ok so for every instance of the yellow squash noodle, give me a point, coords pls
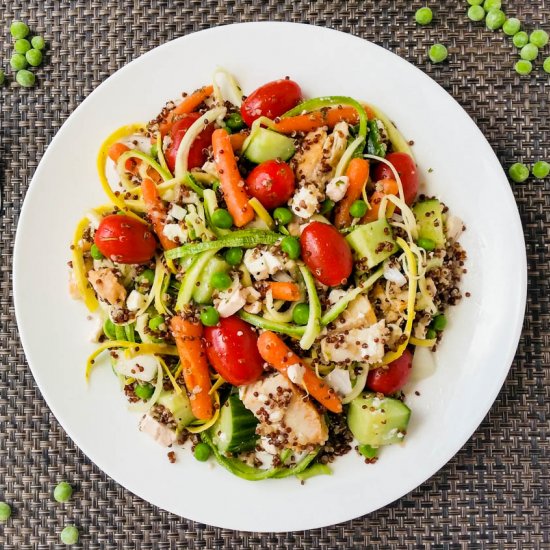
(79, 267)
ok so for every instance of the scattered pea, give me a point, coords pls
(34, 57)
(523, 67)
(439, 322)
(25, 78)
(62, 492)
(210, 316)
(234, 256)
(327, 207)
(96, 253)
(235, 122)
(426, 244)
(529, 52)
(22, 45)
(539, 38)
(300, 315)
(18, 61)
(144, 391)
(367, 451)
(518, 172)
(438, 53)
(475, 2)
(5, 511)
(38, 42)
(358, 209)
(423, 16)
(282, 215)
(546, 65)
(489, 5)
(520, 39)
(222, 218)
(495, 19)
(154, 151)
(18, 29)
(69, 535)
(291, 246)
(156, 322)
(431, 334)
(220, 280)
(476, 13)
(511, 26)
(2, 77)
(202, 452)
(541, 169)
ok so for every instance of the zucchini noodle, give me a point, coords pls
(219, 382)
(313, 327)
(79, 267)
(156, 289)
(196, 427)
(146, 160)
(160, 154)
(234, 95)
(358, 387)
(191, 277)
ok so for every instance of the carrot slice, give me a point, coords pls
(232, 183)
(389, 187)
(285, 291)
(310, 121)
(157, 212)
(275, 352)
(358, 174)
(116, 150)
(188, 337)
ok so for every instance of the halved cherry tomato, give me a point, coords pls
(326, 253)
(406, 168)
(125, 240)
(232, 349)
(392, 377)
(272, 183)
(271, 100)
(197, 156)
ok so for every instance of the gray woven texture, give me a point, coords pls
(494, 493)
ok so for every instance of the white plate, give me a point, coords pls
(473, 360)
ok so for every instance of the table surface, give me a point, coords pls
(495, 492)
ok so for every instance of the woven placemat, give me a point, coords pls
(494, 493)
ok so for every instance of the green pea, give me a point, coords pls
(147, 276)
(431, 334)
(235, 122)
(210, 316)
(475, 2)
(358, 209)
(18, 61)
(5, 511)
(327, 207)
(34, 57)
(438, 53)
(96, 253)
(426, 244)
(18, 29)
(222, 218)
(291, 246)
(520, 39)
(69, 535)
(282, 215)
(156, 322)
(476, 13)
(541, 169)
(22, 45)
(154, 151)
(423, 16)
(202, 452)
(144, 391)
(220, 280)
(62, 492)
(539, 38)
(545, 65)
(489, 5)
(25, 78)
(439, 322)
(234, 256)
(2, 77)
(523, 67)
(529, 52)
(38, 43)
(518, 172)
(495, 19)
(300, 315)
(511, 26)
(367, 451)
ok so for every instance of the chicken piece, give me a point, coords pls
(161, 433)
(309, 156)
(107, 286)
(287, 419)
(359, 313)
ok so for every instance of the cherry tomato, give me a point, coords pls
(232, 349)
(392, 377)
(271, 100)
(272, 183)
(125, 240)
(197, 156)
(406, 168)
(326, 253)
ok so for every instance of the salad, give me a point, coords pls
(265, 276)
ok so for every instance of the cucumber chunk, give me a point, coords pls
(375, 422)
(202, 294)
(178, 404)
(235, 429)
(372, 242)
(429, 218)
(266, 145)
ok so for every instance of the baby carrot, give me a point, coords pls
(389, 187)
(358, 174)
(156, 211)
(310, 121)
